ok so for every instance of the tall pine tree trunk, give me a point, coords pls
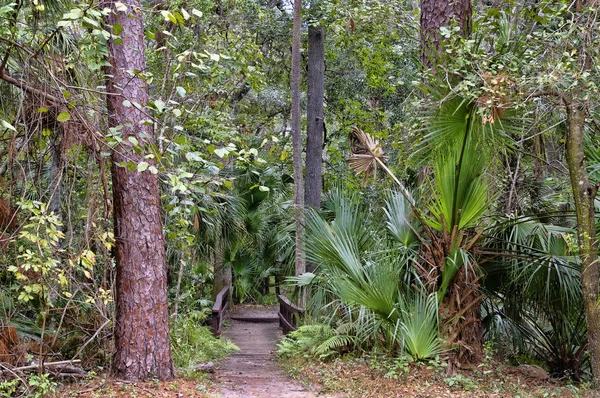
(436, 14)
(297, 140)
(314, 115)
(142, 344)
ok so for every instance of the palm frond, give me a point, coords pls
(418, 323)
(399, 224)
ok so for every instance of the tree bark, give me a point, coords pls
(314, 115)
(297, 140)
(584, 194)
(142, 344)
(438, 13)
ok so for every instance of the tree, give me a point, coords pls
(576, 91)
(463, 282)
(436, 14)
(142, 345)
(584, 195)
(314, 115)
(297, 140)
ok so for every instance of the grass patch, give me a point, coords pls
(193, 344)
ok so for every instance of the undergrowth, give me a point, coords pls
(193, 344)
(318, 341)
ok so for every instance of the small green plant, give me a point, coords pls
(42, 385)
(8, 387)
(399, 368)
(437, 364)
(463, 382)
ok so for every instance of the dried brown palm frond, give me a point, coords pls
(366, 154)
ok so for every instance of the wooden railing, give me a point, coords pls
(288, 314)
(218, 311)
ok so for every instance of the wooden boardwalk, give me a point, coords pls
(253, 371)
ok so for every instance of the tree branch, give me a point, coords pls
(566, 99)
(27, 88)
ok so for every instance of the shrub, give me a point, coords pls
(192, 344)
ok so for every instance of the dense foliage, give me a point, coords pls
(448, 216)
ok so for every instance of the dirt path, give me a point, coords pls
(253, 371)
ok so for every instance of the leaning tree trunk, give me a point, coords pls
(314, 115)
(297, 140)
(584, 194)
(142, 344)
(436, 14)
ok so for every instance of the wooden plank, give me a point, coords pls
(287, 303)
(287, 314)
(285, 325)
(218, 310)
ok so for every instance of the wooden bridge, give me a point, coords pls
(253, 371)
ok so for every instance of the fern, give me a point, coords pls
(334, 344)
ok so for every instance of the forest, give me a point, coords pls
(418, 178)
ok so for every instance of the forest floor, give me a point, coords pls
(372, 377)
(254, 371)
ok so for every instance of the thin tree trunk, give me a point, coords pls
(222, 272)
(314, 115)
(178, 288)
(142, 344)
(584, 194)
(56, 174)
(297, 140)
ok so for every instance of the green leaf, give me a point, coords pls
(8, 125)
(221, 152)
(142, 166)
(131, 166)
(181, 91)
(185, 14)
(120, 6)
(193, 156)
(63, 117)
(160, 105)
(117, 29)
(75, 13)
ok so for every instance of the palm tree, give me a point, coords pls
(366, 278)
(534, 304)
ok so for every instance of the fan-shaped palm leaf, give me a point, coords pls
(399, 214)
